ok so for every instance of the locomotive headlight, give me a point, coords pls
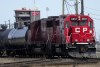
(88, 40)
(76, 40)
(78, 17)
(90, 31)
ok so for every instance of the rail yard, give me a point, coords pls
(43, 62)
(66, 40)
(54, 62)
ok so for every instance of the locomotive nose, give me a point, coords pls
(80, 30)
(80, 34)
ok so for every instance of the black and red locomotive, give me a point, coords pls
(64, 35)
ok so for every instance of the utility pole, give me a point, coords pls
(63, 7)
(5, 22)
(76, 6)
(9, 23)
(34, 11)
(82, 7)
(47, 9)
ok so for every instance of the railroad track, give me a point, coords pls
(43, 61)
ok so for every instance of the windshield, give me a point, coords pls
(67, 24)
(77, 23)
(74, 23)
(82, 23)
(90, 24)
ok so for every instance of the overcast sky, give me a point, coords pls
(7, 8)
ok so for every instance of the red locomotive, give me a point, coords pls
(80, 34)
(63, 35)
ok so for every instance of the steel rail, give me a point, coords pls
(43, 61)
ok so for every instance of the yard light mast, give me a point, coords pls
(63, 7)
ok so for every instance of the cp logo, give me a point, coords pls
(78, 30)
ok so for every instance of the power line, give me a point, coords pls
(96, 18)
(70, 4)
(63, 7)
(92, 8)
(93, 14)
(67, 7)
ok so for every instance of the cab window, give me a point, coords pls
(82, 23)
(67, 24)
(74, 23)
(90, 24)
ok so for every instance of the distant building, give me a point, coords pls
(25, 16)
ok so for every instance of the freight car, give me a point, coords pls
(13, 41)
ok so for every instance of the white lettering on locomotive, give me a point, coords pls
(84, 29)
(78, 30)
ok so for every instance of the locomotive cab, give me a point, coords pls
(79, 33)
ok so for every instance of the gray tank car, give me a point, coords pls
(13, 36)
(12, 39)
(17, 36)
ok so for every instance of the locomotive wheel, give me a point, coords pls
(8, 52)
(1, 52)
(49, 51)
(30, 52)
(21, 53)
(11, 53)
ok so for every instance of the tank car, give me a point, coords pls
(13, 40)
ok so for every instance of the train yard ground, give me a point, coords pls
(43, 62)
